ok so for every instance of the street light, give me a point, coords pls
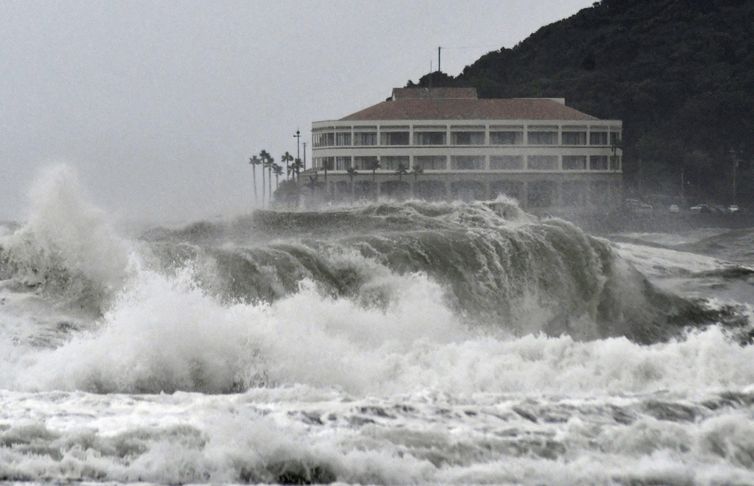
(297, 136)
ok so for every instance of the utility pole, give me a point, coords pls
(439, 51)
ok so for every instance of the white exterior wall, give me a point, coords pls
(486, 150)
(596, 189)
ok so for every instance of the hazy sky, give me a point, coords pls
(158, 105)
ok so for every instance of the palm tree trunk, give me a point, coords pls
(263, 188)
(269, 182)
(254, 176)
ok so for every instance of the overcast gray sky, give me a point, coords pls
(159, 104)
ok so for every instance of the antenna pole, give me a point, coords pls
(439, 53)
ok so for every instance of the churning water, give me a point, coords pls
(403, 342)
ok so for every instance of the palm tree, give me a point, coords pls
(270, 163)
(351, 174)
(297, 166)
(312, 184)
(263, 155)
(254, 161)
(278, 171)
(287, 158)
(401, 171)
(416, 171)
(374, 168)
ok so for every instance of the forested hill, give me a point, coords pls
(679, 73)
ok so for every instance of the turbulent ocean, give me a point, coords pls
(392, 342)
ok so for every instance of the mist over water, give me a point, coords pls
(390, 342)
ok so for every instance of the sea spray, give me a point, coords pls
(388, 343)
(67, 246)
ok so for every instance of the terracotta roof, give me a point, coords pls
(400, 93)
(437, 108)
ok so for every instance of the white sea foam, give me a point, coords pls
(398, 388)
(167, 334)
(64, 231)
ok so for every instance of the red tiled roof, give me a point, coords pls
(400, 93)
(442, 108)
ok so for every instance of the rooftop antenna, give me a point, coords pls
(439, 54)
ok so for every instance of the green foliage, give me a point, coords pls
(679, 73)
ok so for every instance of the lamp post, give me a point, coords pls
(297, 136)
(304, 143)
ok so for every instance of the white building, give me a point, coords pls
(537, 150)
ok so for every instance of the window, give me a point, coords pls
(393, 162)
(615, 138)
(598, 162)
(543, 135)
(342, 163)
(574, 162)
(574, 138)
(598, 138)
(507, 137)
(467, 162)
(364, 163)
(431, 162)
(394, 138)
(343, 139)
(615, 162)
(467, 138)
(542, 162)
(323, 162)
(507, 162)
(429, 138)
(365, 138)
(323, 139)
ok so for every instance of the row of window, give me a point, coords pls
(473, 162)
(532, 194)
(513, 136)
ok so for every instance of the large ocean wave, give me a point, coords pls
(381, 298)
(389, 343)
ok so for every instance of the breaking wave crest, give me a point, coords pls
(386, 297)
(387, 343)
(66, 248)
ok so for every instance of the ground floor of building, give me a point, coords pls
(530, 189)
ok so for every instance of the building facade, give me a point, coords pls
(536, 150)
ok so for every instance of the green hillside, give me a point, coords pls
(679, 73)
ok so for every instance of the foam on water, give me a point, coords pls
(263, 351)
(166, 334)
